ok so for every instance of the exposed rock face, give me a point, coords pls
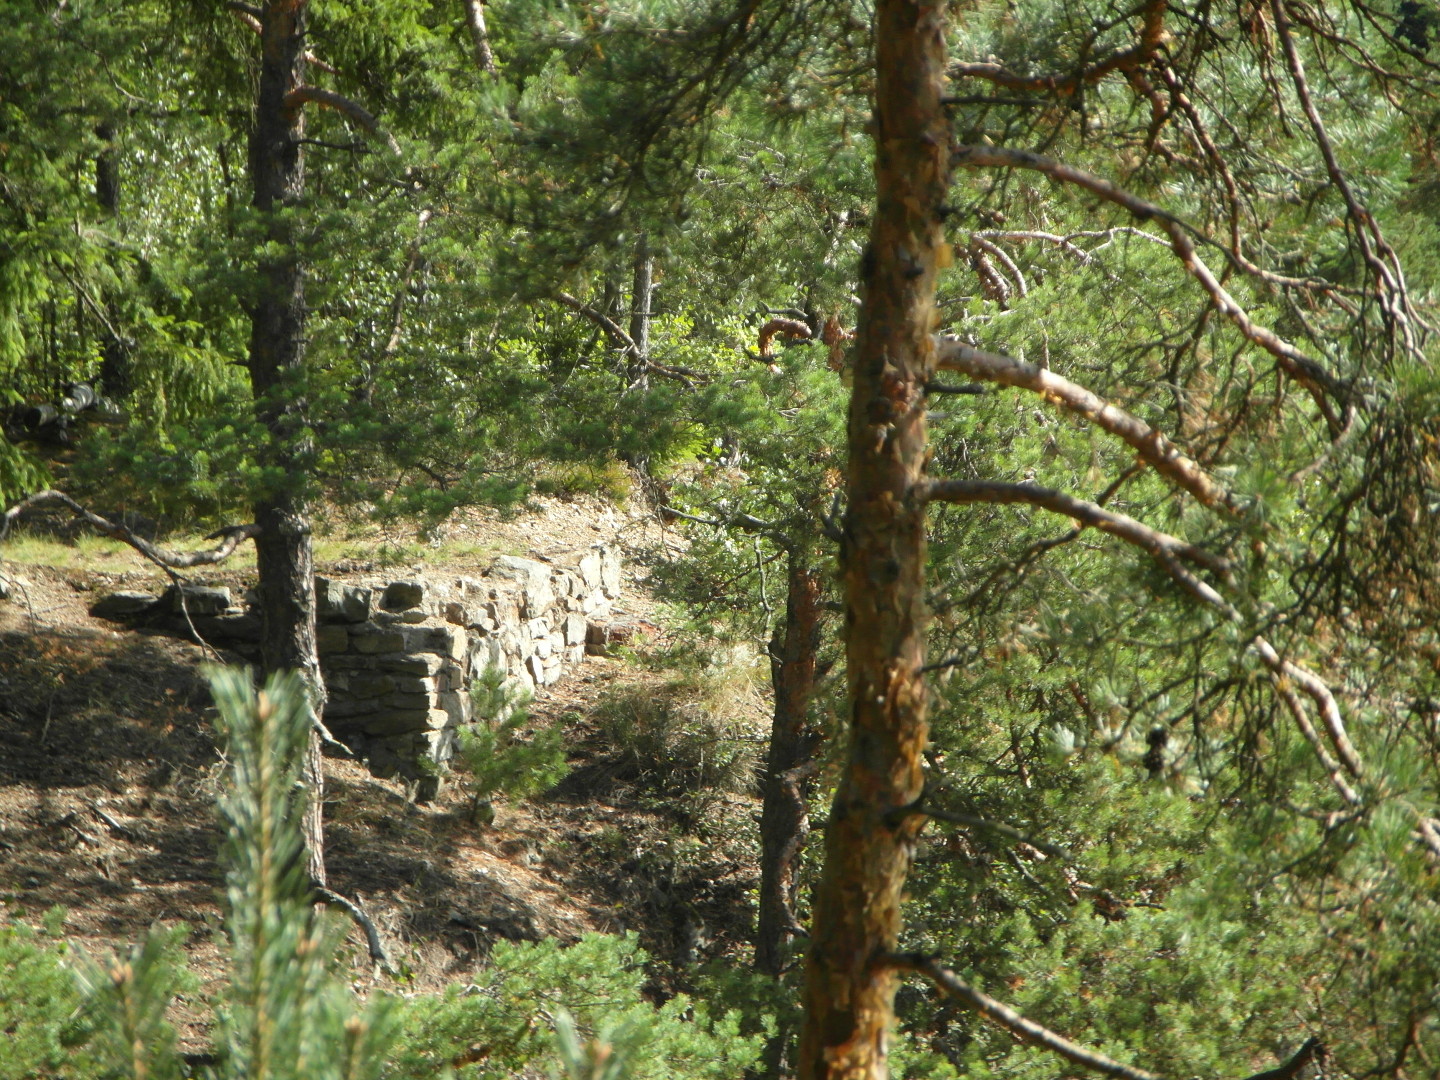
(398, 657)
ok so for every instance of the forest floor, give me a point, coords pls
(109, 771)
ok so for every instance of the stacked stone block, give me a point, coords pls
(398, 659)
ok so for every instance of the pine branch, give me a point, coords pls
(1168, 550)
(612, 329)
(791, 328)
(1152, 445)
(1152, 33)
(626, 343)
(1322, 386)
(324, 895)
(1020, 1026)
(303, 95)
(1027, 1030)
(1379, 256)
(1159, 544)
(231, 537)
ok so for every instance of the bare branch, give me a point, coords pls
(324, 895)
(1311, 1050)
(1152, 446)
(1158, 544)
(1020, 1026)
(974, 821)
(231, 537)
(1168, 550)
(627, 345)
(613, 330)
(746, 522)
(480, 37)
(791, 328)
(303, 95)
(397, 302)
(1307, 371)
(1379, 256)
(1005, 260)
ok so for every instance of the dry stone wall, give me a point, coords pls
(399, 657)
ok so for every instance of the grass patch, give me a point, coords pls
(701, 729)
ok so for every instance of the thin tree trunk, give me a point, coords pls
(642, 289)
(784, 818)
(784, 815)
(850, 986)
(480, 37)
(115, 376)
(277, 345)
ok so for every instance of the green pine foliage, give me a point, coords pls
(506, 1020)
(39, 1000)
(498, 760)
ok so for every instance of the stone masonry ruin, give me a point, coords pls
(399, 657)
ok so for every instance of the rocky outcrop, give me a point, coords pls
(399, 657)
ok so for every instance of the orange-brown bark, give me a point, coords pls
(849, 995)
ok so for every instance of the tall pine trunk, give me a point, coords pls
(850, 988)
(277, 356)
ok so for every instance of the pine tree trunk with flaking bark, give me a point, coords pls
(850, 989)
(277, 347)
(784, 817)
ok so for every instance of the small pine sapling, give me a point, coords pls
(499, 761)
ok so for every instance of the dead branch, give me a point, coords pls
(974, 821)
(1152, 33)
(626, 343)
(324, 895)
(1020, 1026)
(1304, 369)
(303, 95)
(1312, 1050)
(1379, 256)
(1152, 446)
(790, 328)
(231, 537)
(397, 302)
(745, 522)
(1021, 286)
(1027, 1030)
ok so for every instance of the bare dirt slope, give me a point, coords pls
(109, 771)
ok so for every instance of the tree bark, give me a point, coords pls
(277, 356)
(850, 987)
(115, 375)
(784, 818)
(643, 286)
(784, 814)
